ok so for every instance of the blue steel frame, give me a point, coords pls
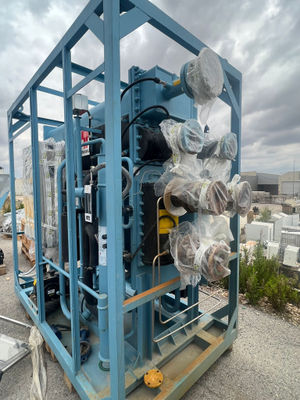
(109, 31)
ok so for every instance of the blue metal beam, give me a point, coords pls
(60, 94)
(91, 76)
(71, 209)
(20, 131)
(114, 191)
(37, 205)
(96, 25)
(72, 36)
(231, 95)
(169, 27)
(132, 20)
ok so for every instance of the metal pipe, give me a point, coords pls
(174, 90)
(103, 328)
(190, 307)
(130, 170)
(62, 282)
(157, 257)
(14, 321)
(93, 141)
(188, 323)
(67, 275)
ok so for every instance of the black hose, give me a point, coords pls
(156, 80)
(124, 172)
(143, 112)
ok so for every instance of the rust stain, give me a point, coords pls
(208, 337)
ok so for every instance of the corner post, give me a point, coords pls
(114, 196)
(72, 236)
(35, 151)
(235, 221)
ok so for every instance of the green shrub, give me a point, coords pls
(265, 215)
(260, 277)
(279, 291)
(254, 291)
(295, 298)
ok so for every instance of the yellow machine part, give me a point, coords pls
(153, 378)
(165, 224)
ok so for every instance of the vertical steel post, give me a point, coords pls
(72, 235)
(37, 203)
(235, 221)
(114, 196)
(13, 199)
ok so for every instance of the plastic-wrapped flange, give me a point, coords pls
(183, 196)
(240, 197)
(224, 148)
(213, 257)
(186, 137)
(196, 254)
(203, 77)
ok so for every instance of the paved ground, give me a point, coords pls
(264, 363)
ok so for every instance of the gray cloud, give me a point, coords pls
(260, 38)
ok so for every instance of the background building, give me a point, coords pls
(260, 181)
(289, 183)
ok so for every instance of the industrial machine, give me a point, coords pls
(139, 195)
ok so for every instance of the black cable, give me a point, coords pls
(156, 80)
(149, 232)
(144, 165)
(143, 112)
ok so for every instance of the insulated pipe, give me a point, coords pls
(62, 281)
(103, 328)
(79, 185)
(103, 354)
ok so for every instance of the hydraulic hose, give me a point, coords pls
(125, 173)
(143, 112)
(156, 80)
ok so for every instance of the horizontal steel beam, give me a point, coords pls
(60, 94)
(91, 76)
(72, 36)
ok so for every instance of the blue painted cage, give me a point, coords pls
(122, 296)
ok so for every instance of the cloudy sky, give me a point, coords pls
(259, 37)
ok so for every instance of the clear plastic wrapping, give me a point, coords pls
(38, 390)
(186, 137)
(51, 154)
(183, 196)
(6, 223)
(216, 168)
(205, 76)
(240, 197)
(201, 249)
(224, 147)
(185, 140)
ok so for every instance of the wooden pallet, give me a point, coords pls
(27, 248)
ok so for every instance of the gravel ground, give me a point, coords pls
(264, 363)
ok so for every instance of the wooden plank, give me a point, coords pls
(149, 294)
